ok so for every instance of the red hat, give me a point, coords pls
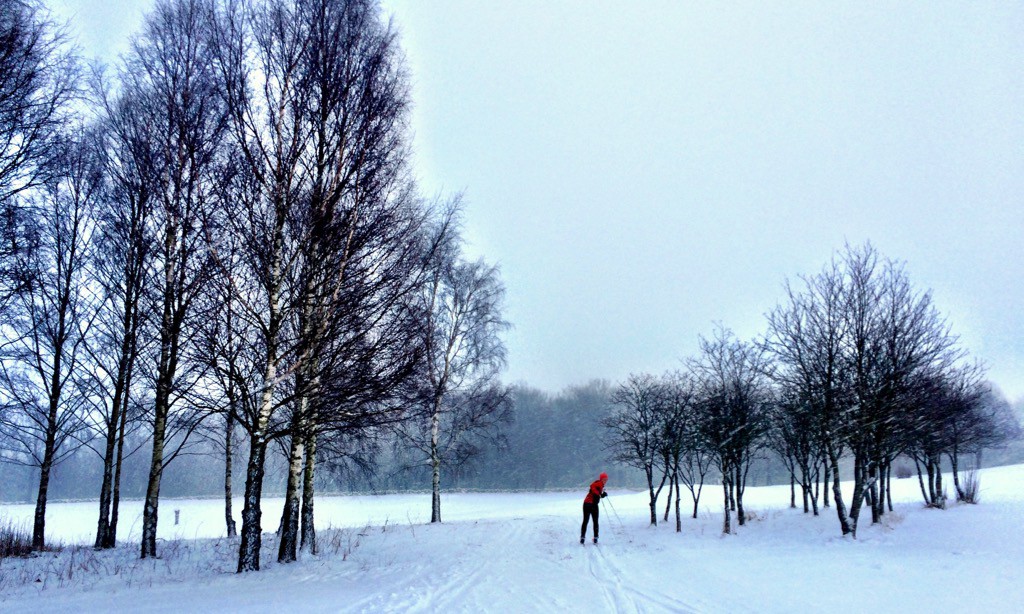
(603, 477)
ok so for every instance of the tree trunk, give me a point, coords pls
(729, 493)
(920, 480)
(111, 538)
(741, 517)
(888, 485)
(824, 483)
(954, 459)
(39, 526)
(118, 409)
(858, 494)
(679, 518)
(103, 524)
(289, 542)
(837, 491)
(726, 524)
(435, 463)
(166, 367)
(156, 466)
(874, 497)
(650, 493)
(880, 502)
(668, 502)
(228, 460)
(308, 543)
(863, 491)
(252, 532)
(50, 443)
(816, 484)
(792, 492)
(814, 499)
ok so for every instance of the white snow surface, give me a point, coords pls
(519, 552)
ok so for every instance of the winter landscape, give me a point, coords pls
(341, 305)
(518, 552)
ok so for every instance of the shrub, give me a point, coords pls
(970, 483)
(903, 471)
(15, 540)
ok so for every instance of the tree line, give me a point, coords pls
(222, 235)
(857, 365)
(554, 441)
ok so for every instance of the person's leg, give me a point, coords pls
(596, 513)
(586, 517)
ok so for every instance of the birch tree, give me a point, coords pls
(261, 52)
(462, 398)
(123, 272)
(359, 219)
(40, 380)
(170, 68)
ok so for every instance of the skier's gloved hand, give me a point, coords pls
(603, 495)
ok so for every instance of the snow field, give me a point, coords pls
(519, 552)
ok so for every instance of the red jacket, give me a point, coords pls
(594, 495)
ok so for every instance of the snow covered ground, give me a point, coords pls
(519, 552)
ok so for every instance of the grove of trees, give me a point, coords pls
(219, 243)
(857, 366)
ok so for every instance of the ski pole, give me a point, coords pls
(610, 504)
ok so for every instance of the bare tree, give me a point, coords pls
(462, 398)
(40, 365)
(637, 429)
(170, 72)
(862, 359)
(689, 458)
(357, 215)
(957, 413)
(262, 53)
(735, 398)
(795, 436)
(123, 267)
(228, 386)
(371, 344)
(896, 336)
(807, 337)
(985, 421)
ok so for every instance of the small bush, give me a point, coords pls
(971, 484)
(15, 540)
(903, 471)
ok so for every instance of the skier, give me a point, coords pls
(594, 496)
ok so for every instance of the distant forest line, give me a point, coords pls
(554, 442)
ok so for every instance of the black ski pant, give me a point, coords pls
(589, 509)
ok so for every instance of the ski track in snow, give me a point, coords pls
(620, 592)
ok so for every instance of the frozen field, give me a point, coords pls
(516, 552)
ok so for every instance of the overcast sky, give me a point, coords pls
(640, 173)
